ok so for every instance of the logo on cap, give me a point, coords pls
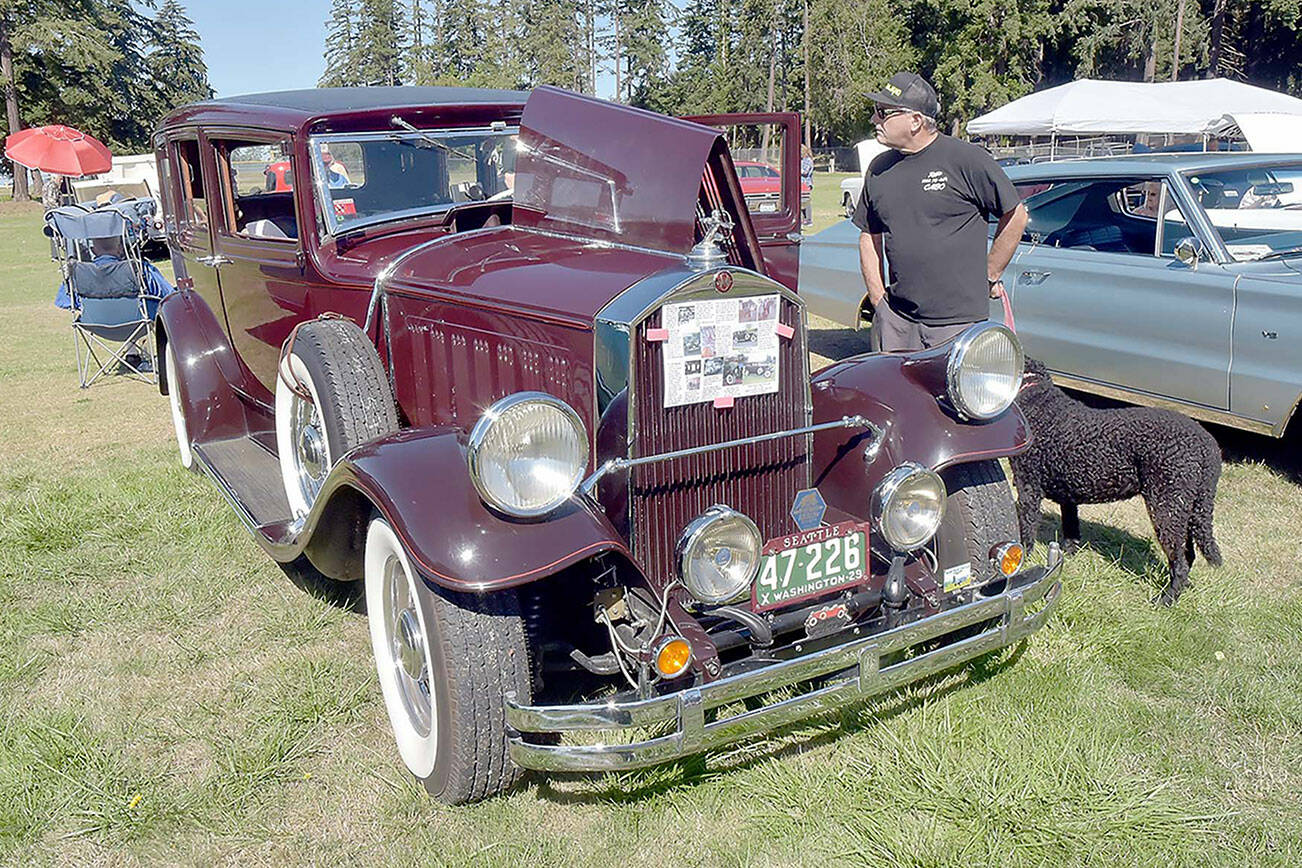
(893, 90)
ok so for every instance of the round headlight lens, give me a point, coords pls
(527, 454)
(719, 554)
(910, 506)
(984, 370)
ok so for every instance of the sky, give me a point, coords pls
(252, 46)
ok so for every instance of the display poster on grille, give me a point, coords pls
(722, 347)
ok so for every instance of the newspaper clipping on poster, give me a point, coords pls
(725, 347)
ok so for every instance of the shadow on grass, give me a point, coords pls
(1282, 455)
(640, 785)
(837, 344)
(1138, 556)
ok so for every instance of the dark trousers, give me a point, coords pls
(893, 333)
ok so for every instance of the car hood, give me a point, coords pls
(593, 169)
(527, 271)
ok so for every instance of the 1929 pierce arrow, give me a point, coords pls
(457, 369)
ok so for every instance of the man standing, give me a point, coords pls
(926, 206)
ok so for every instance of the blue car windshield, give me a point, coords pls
(1256, 210)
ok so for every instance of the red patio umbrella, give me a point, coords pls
(58, 149)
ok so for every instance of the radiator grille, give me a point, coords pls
(760, 479)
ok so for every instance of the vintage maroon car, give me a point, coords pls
(479, 381)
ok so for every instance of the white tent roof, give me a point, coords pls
(1090, 107)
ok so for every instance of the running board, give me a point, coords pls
(248, 476)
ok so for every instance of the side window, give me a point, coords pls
(194, 204)
(257, 189)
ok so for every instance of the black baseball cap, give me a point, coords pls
(911, 91)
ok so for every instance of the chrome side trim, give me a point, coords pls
(1147, 399)
(614, 464)
(856, 669)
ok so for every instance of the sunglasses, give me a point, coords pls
(880, 115)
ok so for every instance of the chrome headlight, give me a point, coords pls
(527, 454)
(719, 554)
(908, 506)
(984, 370)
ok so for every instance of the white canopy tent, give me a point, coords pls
(1091, 107)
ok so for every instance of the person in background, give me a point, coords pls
(336, 172)
(806, 181)
(925, 209)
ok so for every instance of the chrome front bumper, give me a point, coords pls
(858, 662)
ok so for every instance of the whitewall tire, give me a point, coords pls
(178, 413)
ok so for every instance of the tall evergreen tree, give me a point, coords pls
(381, 42)
(341, 46)
(176, 60)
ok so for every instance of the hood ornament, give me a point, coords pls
(708, 253)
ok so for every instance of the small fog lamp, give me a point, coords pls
(673, 655)
(1007, 557)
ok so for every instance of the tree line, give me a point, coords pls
(814, 56)
(103, 66)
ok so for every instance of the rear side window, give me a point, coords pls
(194, 203)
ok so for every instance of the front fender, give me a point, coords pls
(418, 481)
(901, 394)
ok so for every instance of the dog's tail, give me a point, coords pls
(1200, 525)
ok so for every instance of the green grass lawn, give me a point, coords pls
(166, 695)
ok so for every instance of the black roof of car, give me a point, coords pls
(331, 99)
(293, 107)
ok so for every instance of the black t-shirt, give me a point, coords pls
(932, 209)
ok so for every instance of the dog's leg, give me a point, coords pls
(1172, 535)
(1070, 528)
(1028, 515)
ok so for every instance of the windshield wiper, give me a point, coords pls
(426, 138)
(1280, 254)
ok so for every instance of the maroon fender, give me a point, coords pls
(904, 395)
(203, 357)
(417, 479)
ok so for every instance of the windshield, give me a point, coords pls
(1256, 210)
(367, 178)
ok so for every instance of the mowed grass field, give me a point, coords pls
(167, 696)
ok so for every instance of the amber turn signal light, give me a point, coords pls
(1007, 557)
(673, 655)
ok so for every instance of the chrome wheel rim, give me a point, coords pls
(408, 655)
(311, 456)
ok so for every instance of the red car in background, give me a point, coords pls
(761, 184)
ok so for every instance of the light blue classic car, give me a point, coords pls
(1168, 280)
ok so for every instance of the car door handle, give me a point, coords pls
(214, 260)
(1035, 278)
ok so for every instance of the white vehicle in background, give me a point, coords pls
(852, 188)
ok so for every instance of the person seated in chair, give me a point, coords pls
(108, 250)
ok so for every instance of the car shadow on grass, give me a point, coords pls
(640, 785)
(837, 343)
(1282, 455)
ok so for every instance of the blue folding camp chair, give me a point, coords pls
(100, 258)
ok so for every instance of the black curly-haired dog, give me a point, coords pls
(1082, 454)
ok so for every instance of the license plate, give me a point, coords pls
(809, 564)
(768, 206)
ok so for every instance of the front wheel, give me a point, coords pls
(847, 202)
(445, 663)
